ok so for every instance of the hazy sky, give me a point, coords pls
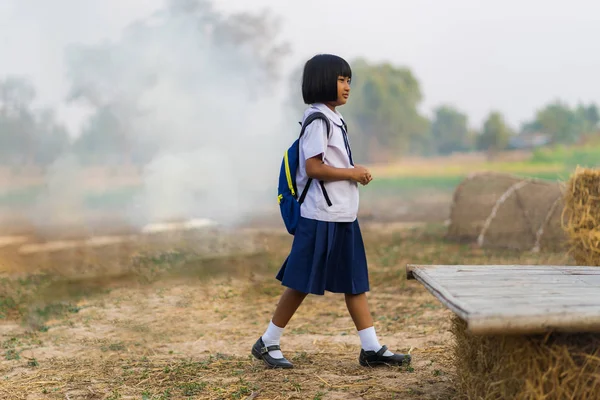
(509, 55)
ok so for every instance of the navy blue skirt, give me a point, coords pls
(326, 256)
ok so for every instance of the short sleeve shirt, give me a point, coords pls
(336, 153)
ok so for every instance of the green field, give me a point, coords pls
(402, 184)
(110, 199)
(20, 197)
(554, 164)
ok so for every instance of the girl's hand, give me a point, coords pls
(361, 175)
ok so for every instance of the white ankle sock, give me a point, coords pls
(369, 342)
(271, 337)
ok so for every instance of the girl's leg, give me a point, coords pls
(358, 307)
(359, 310)
(288, 304)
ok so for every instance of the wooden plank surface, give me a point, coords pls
(516, 299)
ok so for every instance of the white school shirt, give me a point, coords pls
(343, 194)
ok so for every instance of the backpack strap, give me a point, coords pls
(312, 117)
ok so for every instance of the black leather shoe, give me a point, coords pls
(260, 351)
(373, 358)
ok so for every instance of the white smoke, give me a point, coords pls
(201, 102)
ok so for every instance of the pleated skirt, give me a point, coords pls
(326, 256)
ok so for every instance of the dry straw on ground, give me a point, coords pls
(581, 216)
(549, 367)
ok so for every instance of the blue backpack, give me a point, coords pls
(289, 202)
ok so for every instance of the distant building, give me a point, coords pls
(529, 140)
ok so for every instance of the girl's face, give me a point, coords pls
(343, 90)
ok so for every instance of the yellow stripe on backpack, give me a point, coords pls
(288, 174)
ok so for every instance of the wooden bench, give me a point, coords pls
(516, 299)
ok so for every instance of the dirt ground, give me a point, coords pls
(168, 321)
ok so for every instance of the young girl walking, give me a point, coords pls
(327, 253)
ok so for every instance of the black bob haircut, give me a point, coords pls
(319, 80)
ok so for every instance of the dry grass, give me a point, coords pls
(218, 376)
(581, 216)
(178, 325)
(549, 367)
(463, 164)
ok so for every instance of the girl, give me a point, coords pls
(327, 252)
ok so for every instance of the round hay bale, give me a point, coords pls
(550, 367)
(504, 211)
(581, 216)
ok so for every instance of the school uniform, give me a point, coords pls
(328, 252)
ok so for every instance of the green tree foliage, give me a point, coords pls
(560, 122)
(177, 60)
(382, 115)
(587, 118)
(103, 139)
(51, 138)
(382, 111)
(17, 122)
(564, 124)
(27, 136)
(449, 131)
(495, 134)
(591, 115)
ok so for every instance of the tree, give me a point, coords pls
(169, 77)
(592, 116)
(27, 136)
(383, 111)
(564, 124)
(52, 139)
(559, 121)
(100, 141)
(531, 127)
(495, 134)
(17, 123)
(587, 118)
(382, 116)
(16, 95)
(449, 130)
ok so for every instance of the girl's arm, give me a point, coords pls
(316, 169)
